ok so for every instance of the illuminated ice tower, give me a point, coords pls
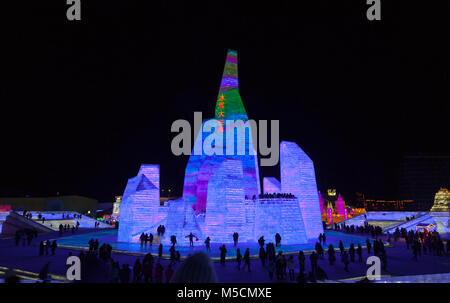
(201, 167)
(298, 177)
(139, 208)
(221, 189)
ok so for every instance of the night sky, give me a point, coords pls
(84, 103)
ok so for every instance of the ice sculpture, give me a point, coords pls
(340, 206)
(224, 214)
(139, 209)
(298, 177)
(200, 168)
(221, 192)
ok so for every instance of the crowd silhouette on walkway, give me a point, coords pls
(280, 267)
(25, 236)
(273, 196)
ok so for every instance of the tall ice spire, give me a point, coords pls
(229, 103)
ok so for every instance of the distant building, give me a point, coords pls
(388, 205)
(340, 206)
(116, 206)
(421, 176)
(57, 203)
(360, 201)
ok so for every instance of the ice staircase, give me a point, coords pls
(15, 221)
(406, 224)
(54, 218)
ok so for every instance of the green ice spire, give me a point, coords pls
(229, 103)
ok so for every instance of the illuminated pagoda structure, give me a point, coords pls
(116, 206)
(441, 201)
(330, 213)
(221, 193)
(340, 206)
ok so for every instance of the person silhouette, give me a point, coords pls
(238, 258)
(160, 250)
(235, 238)
(207, 243)
(191, 239)
(247, 259)
(277, 239)
(223, 253)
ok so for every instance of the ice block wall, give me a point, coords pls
(271, 185)
(140, 206)
(298, 177)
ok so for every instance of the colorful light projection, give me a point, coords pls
(298, 177)
(139, 209)
(271, 185)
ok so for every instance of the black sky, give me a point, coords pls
(85, 102)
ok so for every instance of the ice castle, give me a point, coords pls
(221, 192)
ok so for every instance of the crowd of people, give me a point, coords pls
(426, 242)
(272, 196)
(25, 236)
(373, 230)
(46, 246)
(66, 227)
(277, 264)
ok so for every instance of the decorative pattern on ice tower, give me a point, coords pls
(340, 207)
